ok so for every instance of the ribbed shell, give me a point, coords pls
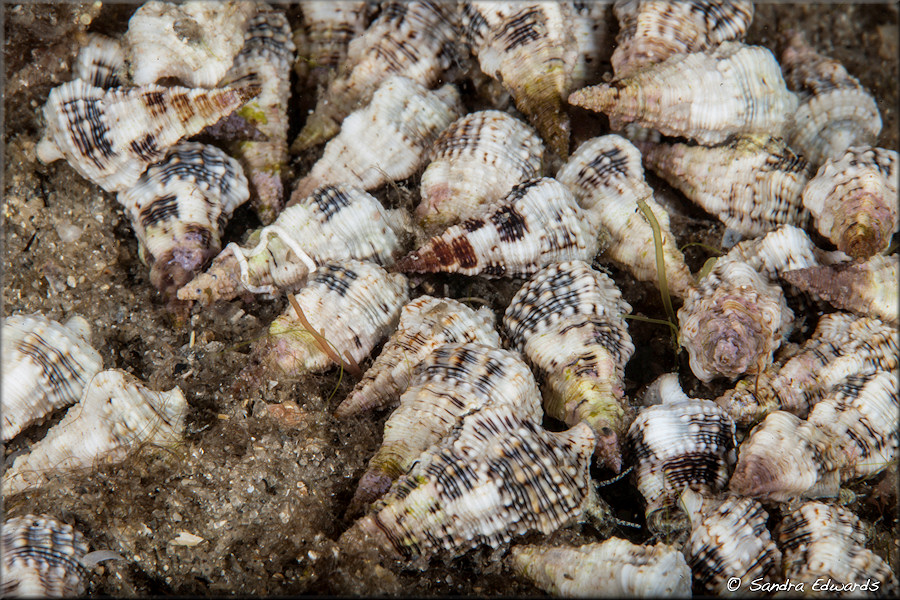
(194, 42)
(651, 31)
(46, 365)
(785, 249)
(476, 161)
(117, 414)
(614, 568)
(110, 137)
(100, 62)
(387, 140)
(835, 111)
(589, 23)
(322, 44)
(752, 183)
(853, 200)
(495, 476)
(337, 222)
(607, 178)
(567, 321)
(705, 96)
(179, 208)
(409, 39)
(42, 558)
(425, 324)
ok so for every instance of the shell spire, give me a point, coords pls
(101, 62)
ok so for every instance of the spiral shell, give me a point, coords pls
(425, 324)
(117, 413)
(45, 367)
(337, 222)
(100, 62)
(705, 96)
(476, 161)
(42, 558)
(589, 22)
(784, 249)
(567, 321)
(614, 568)
(322, 43)
(387, 140)
(853, 200)
(110, 137)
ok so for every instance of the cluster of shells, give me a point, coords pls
(504, 418)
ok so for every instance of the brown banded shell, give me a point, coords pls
(100, 62)
(476, 161)
(536, 224)
(46, 365)
(567, 321)
(322, 42)
(705, 96)
(425, 324)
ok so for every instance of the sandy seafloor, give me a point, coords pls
(264, 476)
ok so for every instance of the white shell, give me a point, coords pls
(100, 62)
(322, 43)
(589, 22)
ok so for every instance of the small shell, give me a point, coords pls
(194, 42)
(705, 96)
(110, 137)
(495, 476)
(752, 183)
(387, 140)
(785, 249)
(475, 162)
(354, 305)
(536, 224)
(614, 568)
(835, 111)
(328, 28)
(45, 367)
(590, 24)
(452, 382)
(337, 222)
(650, 31)
(567, 321)
(425, 324)
(853, 200)
(607, 178)
(100, 62)
(179, 208)
(42, 558)
(117, 414)
(408, 39)
(729, 539)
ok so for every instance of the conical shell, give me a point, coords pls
(853, 200)
(536, 224)
(117, 414)
(567, 321)
(387, 140)
(178, 210)
(476, 161)
(425, 324)
(704, 96)
(323, 40)
(590, 28)
(614, 568)
(100, 62)
(784, 249)
(45, 367)
(337, 222)
(110, 137)
(607, 178)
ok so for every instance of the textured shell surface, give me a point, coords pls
(651, 31)
(610, 569)
(752, 183)
(353, 304)
(111, 136)
(453, 381)
(322, 43)
(46, 365)
(336, 222)
(425, 324)
(194, 42)
(853, 200)
(495, 476)
(536, 224)
(409, 39)
(387, 140)
(705, 96)
(117, 414)
(100, 62)
(592, 41)
(835, 111)
(567, 321)
(42, 558)
(530, 47)
(476, 161)
(179, 207)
